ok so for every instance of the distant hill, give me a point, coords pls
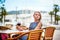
(20, 12)
(23, 12)
(12, 12)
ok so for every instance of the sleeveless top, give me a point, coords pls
(33, 25)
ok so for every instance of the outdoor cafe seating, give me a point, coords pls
(32, 34)
(49, 32)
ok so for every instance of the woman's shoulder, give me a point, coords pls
(40, 23)
(32, 22)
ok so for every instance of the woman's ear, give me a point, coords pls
(33, 15)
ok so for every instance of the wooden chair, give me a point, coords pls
(32, 35)
(35, 35)
(49, 32)
(20, 34)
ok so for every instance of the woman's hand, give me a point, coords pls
(19, 28)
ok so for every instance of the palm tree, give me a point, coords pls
(57, 18)
(4, 13)
(1, 8)
(56, 9)
(51, 13)
(1, 15)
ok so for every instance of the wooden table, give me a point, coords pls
(12, 32)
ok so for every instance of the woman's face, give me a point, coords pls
(37, 16)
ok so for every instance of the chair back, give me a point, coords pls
(49, 31)
(35, 35)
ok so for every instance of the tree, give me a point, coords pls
(2, 8)
(51, 13)
(57, 18)
(4, 13)
(1, 15)
(56, 9)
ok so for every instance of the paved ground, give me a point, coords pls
(56, 35)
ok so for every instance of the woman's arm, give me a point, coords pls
(19, 28)
(38, 26)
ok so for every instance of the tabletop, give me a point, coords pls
(12, 31)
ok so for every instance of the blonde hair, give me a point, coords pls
(39, 13)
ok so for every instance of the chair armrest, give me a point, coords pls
(13, 33)
(48, 37)
(18, 36)
(43, 28)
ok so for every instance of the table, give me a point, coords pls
(4, 28)
(13, 32)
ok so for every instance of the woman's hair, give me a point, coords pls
(39, 13)
(18, 24)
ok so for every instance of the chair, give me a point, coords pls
(49, 32)
(32, 35)
(35, 35)
(16, 36)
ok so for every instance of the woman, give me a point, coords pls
(36, 24)
(37, 21)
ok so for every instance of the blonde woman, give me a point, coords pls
(34, 25)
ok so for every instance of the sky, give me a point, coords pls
(41, 5)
